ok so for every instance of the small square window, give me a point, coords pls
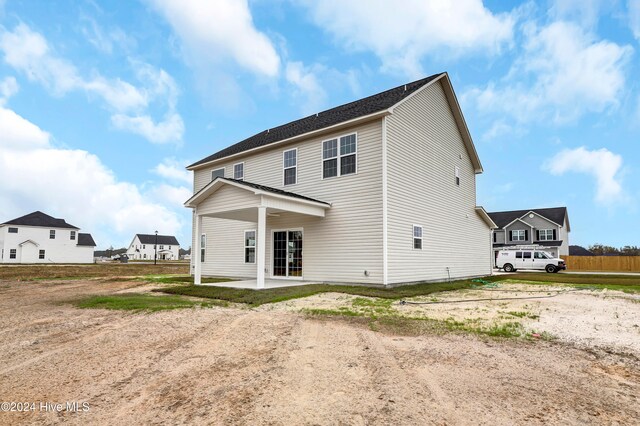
(13, 230)
(217, 173)
(52, 234)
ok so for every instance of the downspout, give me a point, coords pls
(385, 201)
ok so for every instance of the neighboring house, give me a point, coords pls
(579, 251)
(142, 247)
(378, 191)
(40, 238)
(547, 229)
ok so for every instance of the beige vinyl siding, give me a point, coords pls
(564, 236)
(338, 247)
(424, 145)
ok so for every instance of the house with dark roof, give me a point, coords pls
(547, 229)
(378, 191)
(152, 246)
(40, 238)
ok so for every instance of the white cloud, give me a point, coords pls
(634, 17)
(215, 32)
(75, 185)
(28, 51)
(307, 86)
(584, 12)
(402, 35)
(8, 87)
(601, 164)
(171, 195)
(562, 73)
(173, 170)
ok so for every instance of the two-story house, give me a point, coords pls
(377, 191)
(547, 229)
(142, 247)
(40, 238)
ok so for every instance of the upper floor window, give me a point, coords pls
(519, 235)
(13, 230)
(73, 235)
(290, 166)
(238, 171)
(417, 237)
(144, 246)
(217, 173)
(457, 175)
(339, 156)
(250, 246)
(546, 234)
(52, 234)
(161, 247)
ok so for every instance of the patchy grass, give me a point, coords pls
(139, 302)
(626, 283)
(181, 279)
(273, 295)
(523, 314)
(97, 270)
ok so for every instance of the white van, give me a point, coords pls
(512, 260)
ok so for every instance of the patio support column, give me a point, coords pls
(197, 274)
(261, 249)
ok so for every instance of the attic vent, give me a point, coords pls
(405, 87)
(268, 130)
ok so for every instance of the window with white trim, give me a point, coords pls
(52, 234)
(250, 246)
(217, 173)
(417, 237)
(238, 171)
(518, 235)
(545, 235)
(41, 254)
(13, 230)
(12, 254)
(72, 236)
(203, 245)
(339, 156)
(290, 166)
(457, 175)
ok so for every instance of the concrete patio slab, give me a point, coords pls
(253, 284)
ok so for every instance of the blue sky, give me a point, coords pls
(102, 104)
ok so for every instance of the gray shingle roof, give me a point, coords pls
(162, 239)
(38, 218)
(554, 214)
(273, 190)
(330, 117)
(85, 240)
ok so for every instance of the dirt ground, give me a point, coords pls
(277, 366)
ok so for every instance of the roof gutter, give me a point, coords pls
(318, 132)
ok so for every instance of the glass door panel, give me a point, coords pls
(295, 253)
(280, 253)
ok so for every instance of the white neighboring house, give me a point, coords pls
(378, 191)
(142, 247)
(40, 238)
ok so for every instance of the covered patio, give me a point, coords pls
(244, 201)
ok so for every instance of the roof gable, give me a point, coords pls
(363, 107)
(219, 182)
(554, 214)
(38, 218)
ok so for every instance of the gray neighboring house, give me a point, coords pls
(546, 228)
(379, 191)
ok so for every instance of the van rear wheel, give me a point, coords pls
(550, 269)
(508, 267)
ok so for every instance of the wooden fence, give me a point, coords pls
(603, 263)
